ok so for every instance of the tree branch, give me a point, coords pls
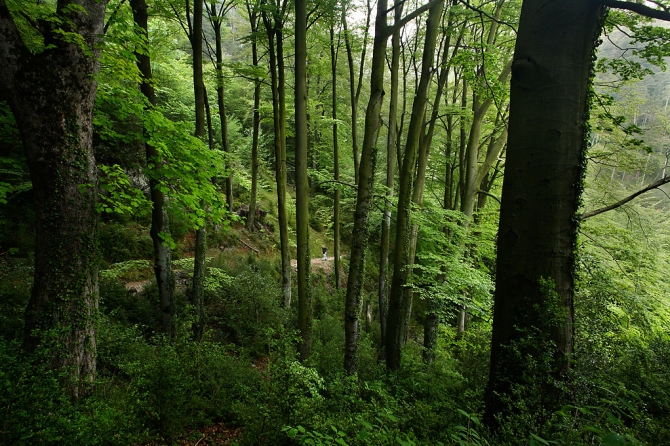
(411, 16)
(489, 194)
(638, 8)
(112, 16)
(485, 14)
(654, 185)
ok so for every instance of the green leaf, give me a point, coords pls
(613, 439)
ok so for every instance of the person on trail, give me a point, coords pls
(324, 249)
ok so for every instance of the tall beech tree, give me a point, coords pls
(51, 91)
(366, 179)
(195, 36)
(364, 195)
(301, 181)
(254, 19)
(397, 305)
(390, 174)
(336, 155)
(533, 309)
(273, 19)
(355, 82)
(216, 13)
(159, 218)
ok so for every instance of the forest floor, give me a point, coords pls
(218, 434)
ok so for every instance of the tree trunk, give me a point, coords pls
(159, 219)
(396, 314)
(275, 37)
(253, 20)
(390, 174)
(301, 181)
(222, 112)
(422, 164)
(430, 330)
(200, 234)
(364, 195)
(336, 160)
(355, 88)
(533, 310)
(52, 95)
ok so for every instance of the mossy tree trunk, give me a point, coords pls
(364, 195)
(533, 310)
(397, 304)
(256, 123)
(201, 233)
(51, 94)
(301, 181)
(336, 157)
(216, 15)
(390, 175)
(274, 24)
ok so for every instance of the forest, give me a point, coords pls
(334, 222)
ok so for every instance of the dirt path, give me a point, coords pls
(319, 264)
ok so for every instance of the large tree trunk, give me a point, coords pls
(159, 219)
(51, 95)
(364, 196)
(533, 311)
(201, 234)
(396, 313)
(301, 181)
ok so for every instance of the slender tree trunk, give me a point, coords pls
(432, 322)
(275, 37)
(253, 19)
(425, 143)
(364, 195)
(336, 159)
(301, 180)
(52, 95)
(533, 310)
(390, 174)
(200, 234)
(355, 88)
(208, 115)
(159, 219)
(396, 318)
(430, 331)
(220, 95)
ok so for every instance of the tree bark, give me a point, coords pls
(397, 305)
(336, 159)
(301, 181)
(364, 195)
(390, 174)
(256, 123)
(355, 87)
(159, 218)
(225, 142)
(533, 310)
(52, 94)
(200, 234)
(274, 25)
